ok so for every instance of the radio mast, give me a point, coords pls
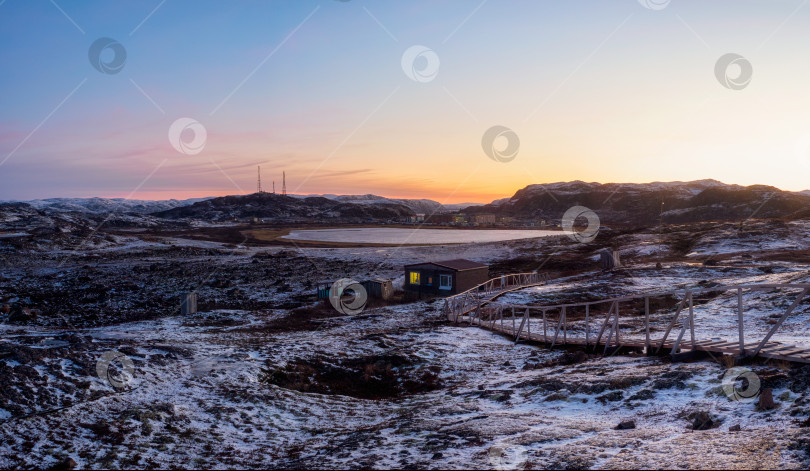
(284, 183)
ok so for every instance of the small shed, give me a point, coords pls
(444, 278)
(376, 288)
(323, 289)
(379, 288)
(609, 259)
(188, 303)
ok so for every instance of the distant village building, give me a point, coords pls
(416, 218)
(484, 219)
(507, 221)
(444, 278)
(441, 219)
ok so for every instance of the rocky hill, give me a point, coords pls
(109, 205)
(24, 226)
(647, 204)
(419, 206)
(285, 208)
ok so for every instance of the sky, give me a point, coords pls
(453, 100)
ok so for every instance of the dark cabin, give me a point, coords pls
(444, 278)
(377, 288)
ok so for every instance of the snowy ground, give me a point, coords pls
(201, 393)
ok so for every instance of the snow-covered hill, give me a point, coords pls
(110, 205)
(650, 203)
(418, 206)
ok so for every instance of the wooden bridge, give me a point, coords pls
(628, 322)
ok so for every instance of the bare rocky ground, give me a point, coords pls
(264, 376)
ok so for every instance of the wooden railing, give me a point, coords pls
(461, 304)
(481, 309)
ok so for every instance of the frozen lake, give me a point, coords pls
(377, 235)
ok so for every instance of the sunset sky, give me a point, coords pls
(608, 91)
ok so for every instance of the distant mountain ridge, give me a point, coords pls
(648, 203)
(287, 208)
(98, 205)
(625, 203)
(419, 206)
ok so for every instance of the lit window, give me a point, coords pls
(414, 277)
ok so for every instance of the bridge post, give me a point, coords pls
(565, 327)
(740, 322)
(545, 328)
(587, 325)
(647, 324)
(610, 335)
(528, 325)
(692, 320)
(616, 323)
(513, 320)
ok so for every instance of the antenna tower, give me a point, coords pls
(284, 183)
(259, 181)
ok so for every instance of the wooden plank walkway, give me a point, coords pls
(772, 350)
(478, 307)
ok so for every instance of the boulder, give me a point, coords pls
(735, 428)
(766, 401)
(626, 425)
(701, 420)
(64, 465)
